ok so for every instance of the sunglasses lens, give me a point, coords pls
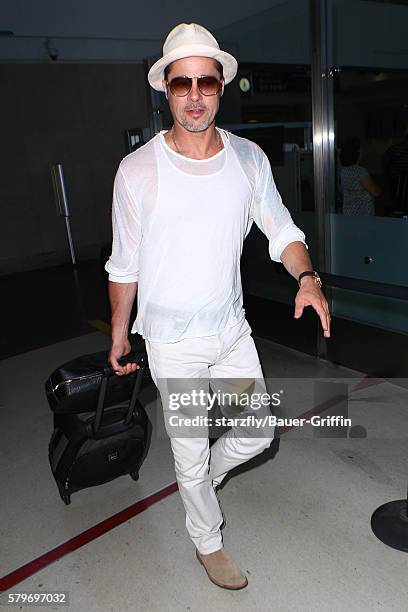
(180, 86)
(208, 85)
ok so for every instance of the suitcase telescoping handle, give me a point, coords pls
(108, 371)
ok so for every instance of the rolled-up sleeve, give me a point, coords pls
(271, 215)
(123, 263)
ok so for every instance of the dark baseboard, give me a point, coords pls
(365, 348)
(378, 352)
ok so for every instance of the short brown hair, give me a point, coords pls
(217, 65)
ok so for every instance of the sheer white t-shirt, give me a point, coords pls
(178, 230)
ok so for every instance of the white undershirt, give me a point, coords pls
(178, 230)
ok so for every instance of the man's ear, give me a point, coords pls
(164, 83)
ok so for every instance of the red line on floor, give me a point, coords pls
(30, 568)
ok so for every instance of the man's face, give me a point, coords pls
(195, 112)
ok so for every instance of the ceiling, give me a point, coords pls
(127, 19)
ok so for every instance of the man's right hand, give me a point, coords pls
(117, 350)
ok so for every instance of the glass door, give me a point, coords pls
(369, 214)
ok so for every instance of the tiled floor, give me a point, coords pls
(298, 521)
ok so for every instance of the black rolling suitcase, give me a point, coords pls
(101, 430)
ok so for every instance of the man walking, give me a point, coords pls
(182, 206)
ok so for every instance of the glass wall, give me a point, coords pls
(364, 214)
(369, 217)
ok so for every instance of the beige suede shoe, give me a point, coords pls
(222, 570)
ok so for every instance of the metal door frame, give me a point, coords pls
(322, 72)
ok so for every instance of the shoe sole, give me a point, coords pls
(223, 586)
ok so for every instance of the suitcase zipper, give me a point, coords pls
(69, 380)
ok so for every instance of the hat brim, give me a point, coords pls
(228, 61)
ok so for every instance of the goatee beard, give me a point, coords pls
(195, 127)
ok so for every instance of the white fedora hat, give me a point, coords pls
(188, 40)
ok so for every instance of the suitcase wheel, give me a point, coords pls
(134, 475)
(66, 499)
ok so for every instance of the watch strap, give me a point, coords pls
(310, 273)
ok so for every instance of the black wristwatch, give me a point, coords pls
(313, 273)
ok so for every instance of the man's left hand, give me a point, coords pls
(310, 294)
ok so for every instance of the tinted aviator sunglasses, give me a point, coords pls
(207, 85)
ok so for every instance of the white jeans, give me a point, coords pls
(210, 360)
